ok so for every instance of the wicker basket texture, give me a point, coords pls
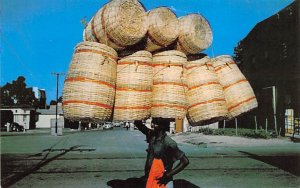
(163, 28)
(134, 87)
(89, 88)
(195, 34)
(88, 32)
(168, 95)
(206, 101)
(238, 92)
(120, 23)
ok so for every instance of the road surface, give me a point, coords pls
(115, 158)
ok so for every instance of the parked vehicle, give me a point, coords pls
(16, 127)
(117, 124)
(108, 125)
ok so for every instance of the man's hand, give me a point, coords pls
(164, 180)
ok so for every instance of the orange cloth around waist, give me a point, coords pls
(156, 171)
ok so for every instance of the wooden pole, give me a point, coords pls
(274, 101)
(266, 125)
(224, 124)
(255, 121)
(57, 80)
(236, 126)
(275, 124)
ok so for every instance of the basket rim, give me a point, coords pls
(170, 52)
(202, 61)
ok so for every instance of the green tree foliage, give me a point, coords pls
(16, 94)
(53, 102)
(238, 53)
(60, 99)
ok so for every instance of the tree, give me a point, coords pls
(16, 94)
(6, 99)
(238, 53)
(53, 102)
(60, 99)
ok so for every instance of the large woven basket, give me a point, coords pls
(195, 34)
(88, 32)
(120, 23)
(206, 101)
(168, 95)
(238, 93)
(134, 87)
(89, 88)
(163, 28)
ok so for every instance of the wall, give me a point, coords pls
(45, 121)
(22, 119)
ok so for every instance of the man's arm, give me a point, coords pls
(168, 175)
(141, 127)
(184, 161)
(176, 154)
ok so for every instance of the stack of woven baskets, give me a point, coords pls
(134, 64)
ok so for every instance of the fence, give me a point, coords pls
(292, 123)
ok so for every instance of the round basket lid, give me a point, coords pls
(195, 34)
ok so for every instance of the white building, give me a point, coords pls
(24, 116)
(48, 115)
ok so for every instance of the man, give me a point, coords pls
(162, 147)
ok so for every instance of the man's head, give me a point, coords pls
(161, 124)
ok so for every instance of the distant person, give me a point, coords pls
(162, 153)
(8, 127)
(127, 126)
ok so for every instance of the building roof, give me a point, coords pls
(16, 107)
(51, 110)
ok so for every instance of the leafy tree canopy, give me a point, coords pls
(16, 94)
(53, 102)
(238, 53)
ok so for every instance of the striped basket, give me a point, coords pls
(134, 87)
(88, 32)
(238, 93)
(120, 23)
(163, 28)
(89, 88)
(168, 95)
(206, 101)
(195, 34)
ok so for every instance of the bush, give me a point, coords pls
(206, 131)
(250, 133)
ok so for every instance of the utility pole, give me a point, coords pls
(274, 105)
(57, 79)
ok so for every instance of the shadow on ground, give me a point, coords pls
(290, 164)
(13, 172)
(139, 183)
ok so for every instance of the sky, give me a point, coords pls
(38, 36)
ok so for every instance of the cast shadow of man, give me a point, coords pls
(138, 183)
